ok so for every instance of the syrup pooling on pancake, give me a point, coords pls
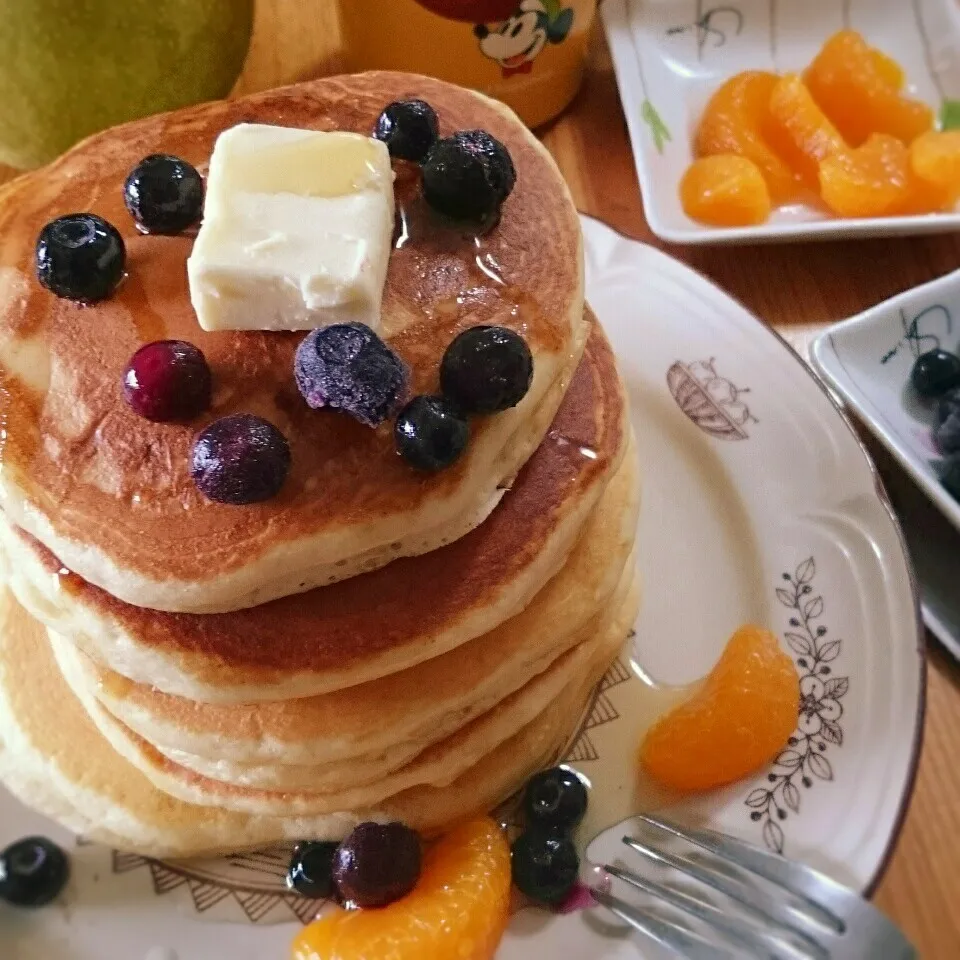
(76, 454)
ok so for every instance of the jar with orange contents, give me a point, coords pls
(530, 54)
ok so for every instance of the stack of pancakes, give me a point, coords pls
(373, 643)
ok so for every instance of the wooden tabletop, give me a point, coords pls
(792, 287)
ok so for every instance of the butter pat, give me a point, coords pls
(297, 230)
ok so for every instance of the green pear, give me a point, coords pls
(71, 67)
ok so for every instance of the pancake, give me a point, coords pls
(56, 761)
(110, 494)
(369, 626)
(386, 721)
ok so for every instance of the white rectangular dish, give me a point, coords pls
(671, 55)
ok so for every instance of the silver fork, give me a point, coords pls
(771, 908)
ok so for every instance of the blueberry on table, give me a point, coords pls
(168, 380)
(347, 367)
(555, 799)
(164, 194)
(486, 370)
(311, 870)
(240, 459)
(32, 872)
(409, 128)
(544, 864)
(80, 257)
(935, 372)
(468, 176)
(946, 430)
(377, 864)
(950, 476)
(430, 433)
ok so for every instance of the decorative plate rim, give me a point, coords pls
(910, 779)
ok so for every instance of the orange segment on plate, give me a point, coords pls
(733, 122)
(737, 722)
(799, 130)
(888, 69)
(874, 180)
(725, 190)
(857, 95)
(457, 911)
(935, 159)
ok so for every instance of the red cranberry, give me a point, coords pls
(167, 380)
(377, 864)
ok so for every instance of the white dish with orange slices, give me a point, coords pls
(759, 506)
(671, 56)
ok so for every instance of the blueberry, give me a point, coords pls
(947, 429)
(240, 459)
(950, 475)
(167, 380)
(935, 372)
(348, 367)
(32, 872)
(80, 257)
(430, 433)
(164, 194)
(555, 799)
(409, 128)
(468, 176)
(311, 870)
(544, 864)
(377, 864)
(486, 369)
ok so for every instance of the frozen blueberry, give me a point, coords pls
(167, 380)
(240, 459)
(468, 176)
(430, 433)
(555, 799)
(947, 428)
(409, 128)
(164, 194)
(348, 367)
(935, 372)
(377, 864)
(80, 257)
(32, 872)
(486, 369)
(545, 865)
(311, 870)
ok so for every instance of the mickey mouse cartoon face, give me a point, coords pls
(519, 40)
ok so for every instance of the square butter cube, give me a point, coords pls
(297, 230)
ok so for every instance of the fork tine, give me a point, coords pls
(807, 884)
(770, 913)
(672, 936)
(762, 943)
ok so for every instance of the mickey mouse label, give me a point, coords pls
(522, 37)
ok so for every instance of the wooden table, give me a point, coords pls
(790, 286)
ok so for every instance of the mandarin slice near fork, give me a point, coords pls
(725, 190)
(457, 911)
(739, 719)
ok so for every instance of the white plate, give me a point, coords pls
(759, 505)
(867, 360)
(670, 55)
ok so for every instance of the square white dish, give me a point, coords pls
(867, 360)
(671, 55)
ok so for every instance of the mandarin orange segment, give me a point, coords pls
(857, 95)
(733, 122)
(874, 180)
(799, 130)
(725, 191)
(935, 158)
(457, 911)
(737, 722)
(889, 71)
